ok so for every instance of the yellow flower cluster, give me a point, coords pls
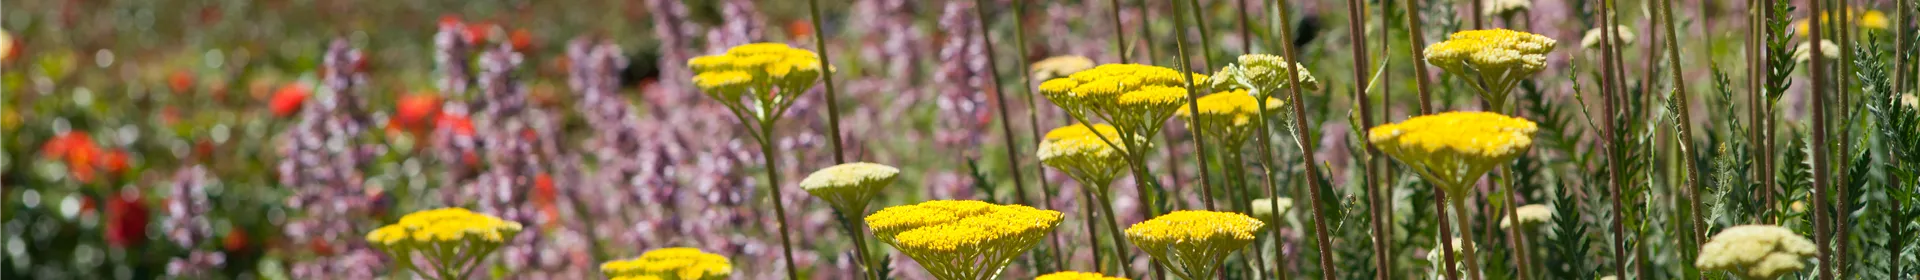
(1592, 39)
(1192, 243)
(1494, 60)
(962, 239)
(1530, 215)
(1060, 66)
(1262, 75)
(770, 74)
(1755, 252)
(1228, 116)
(1872, 20)
(1454, 149)
(444, 228)
(1084, 155)
(679, 263)
(452, 239)
(1076, 275)
(848, 187)
(1264, 208)
(1134, 98)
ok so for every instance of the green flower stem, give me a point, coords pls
(1119, 36)
(1000, 100)
(1474, 271)
(853, 225)
(1821, 178)
(1119, 240)
(1612, 82)
(1692, 186)
(1206, 37)
(1415, 49)
(826, 77)
(1382, 243)
(1093, 228)
(1266, 169)
(1033, 121)
(1193, 95)
(1306, 151)
(772, 155)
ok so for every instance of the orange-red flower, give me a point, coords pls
(544, 195)
(412, 112)
(126, 221)
(235, 241)
(288, 100)
(82, 156)
(180, 81)
(521, 39)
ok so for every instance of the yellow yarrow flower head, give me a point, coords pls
(1531, 215)
(1872, 20)
(962, 239)
(1492, 60)
(1060, 66)
(1076, 275)
(848, 187)
(1454, 149)
(1756, 252)
(1134, 98)
(1804, 53)
(769, 76)
(1505, 8)
(1264, 208)
(1228, 116)
(1192, 243)
(1084, 155)
(679, 263)
(449, 237)
(1262, 75)
(1592, 39)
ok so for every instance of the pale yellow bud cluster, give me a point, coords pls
(1084, 155)
(1493, 60)
(679, 263)
(1756, 252)
(1531, 215)
(962, 239)
(1134, 98)
(1192, 243)
(449, 237)
(848, 187)
(1228, 116)
(761, 78)
(1261, 75)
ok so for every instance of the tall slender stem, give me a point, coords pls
(1356, 31)
(1691, 189)
(1610, 85)
(1193, 108)
(1474, 271)
(1273, 192)
(1120, 250)
(1033, 120)
(1306, 151)
(826, 77)
(1120, 33)
(1000, 101)
(1820, 177)
(1246, 28)
(772, 155)
(1478, 22)
(852, 223)
(1416, 49)
(1900, 46)
(1206, 36)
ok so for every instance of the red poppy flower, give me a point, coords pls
(180, 81)
(412, 112)
(521, 39)
(288, 100)
(113, 162)
(58, 146)
(126, 221)
(80, 160)
(543, 197)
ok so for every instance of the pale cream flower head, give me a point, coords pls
(1531, 215)
(1261, 75)
(1503, 8)
(1264, 209)
(1756, 252)
(1828, 49)
(1592, 39)
(848, 187)
(1076, 275)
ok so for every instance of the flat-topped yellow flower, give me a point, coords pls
(1872, 20)
(1076, 275)
(1060, 66)
(1531, 215)
(1228, 116)
(963, 239)
(848, 187)
(1454, 149)
(678, 263)
(1120, 91)
(1192, 243)
(1505, 8)
(1261, 75)
(1083, 155)
(1592, 39)
(449, 237)
(1493, 60)
(1756, 252)
(772, 75)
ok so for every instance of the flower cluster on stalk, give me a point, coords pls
(1228, 116)
(1134, 98)
(1262, 75)
(848, 187)
(678, 263)
(1193, 243)
(1493, 60)
(1454, 149)
(1756, 252)
(454, 241)
(759, 80)
(1082, 153)
(963, 239)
